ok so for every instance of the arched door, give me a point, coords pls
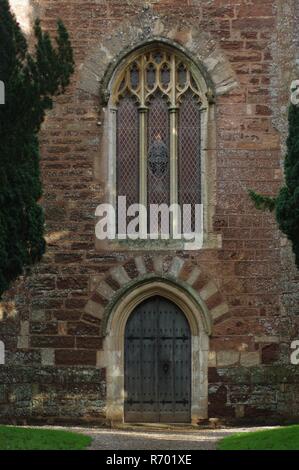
(157, 363)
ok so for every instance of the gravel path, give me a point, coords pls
(159, 439)
(149, 438)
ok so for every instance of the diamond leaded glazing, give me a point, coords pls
(128, 150)
(158, 130)
(189, 153)
(158, 154)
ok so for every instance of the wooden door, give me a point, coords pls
(157, 363)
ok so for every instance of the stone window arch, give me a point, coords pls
(159, 112)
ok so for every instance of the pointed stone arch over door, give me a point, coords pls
(180, 281)
(157, 360)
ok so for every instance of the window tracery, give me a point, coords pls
(158, 102)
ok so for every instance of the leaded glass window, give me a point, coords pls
(158, 178)
(189, 147)
(128, 149)
(158, 103)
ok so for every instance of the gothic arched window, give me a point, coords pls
(158, 101)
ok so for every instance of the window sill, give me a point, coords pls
(212, 241)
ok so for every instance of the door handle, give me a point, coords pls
(166, 366)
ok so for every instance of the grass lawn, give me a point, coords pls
(285, 438)
(15, 438)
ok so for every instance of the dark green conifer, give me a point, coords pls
(31, 81)
(286, 204)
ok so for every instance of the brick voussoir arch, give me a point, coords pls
(145, 267)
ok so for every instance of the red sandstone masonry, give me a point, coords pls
(75, 357)
(246, 271)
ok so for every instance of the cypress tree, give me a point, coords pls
(31, 81)
(286, 204)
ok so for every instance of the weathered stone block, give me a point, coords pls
(23, 342)
(250, 359)
(227, 358)
(48, 357)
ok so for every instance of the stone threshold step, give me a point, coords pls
(156, 426)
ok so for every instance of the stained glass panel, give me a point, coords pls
(151, 76)
(134, 73)
(158, 151)
(165, 76)
(158, 57)
(161, 83)
(182, 75)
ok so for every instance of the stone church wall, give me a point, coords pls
(52, 330)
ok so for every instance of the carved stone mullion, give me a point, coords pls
(174, 166)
